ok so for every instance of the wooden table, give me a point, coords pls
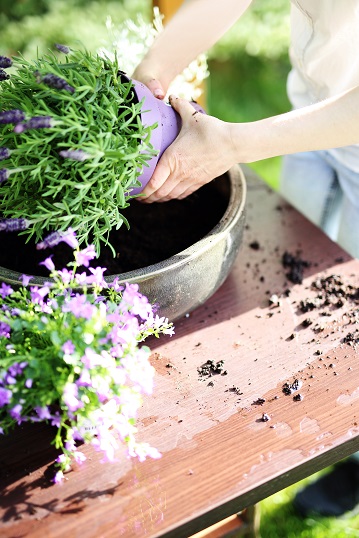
(219, 455)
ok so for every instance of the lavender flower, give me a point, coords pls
(62, 48)
(53, 81)
(55, 238)
(37, 122)
(75, 154)
(5, 62)
(13, 225)
(4, 175)
(4, 153)
(12, 116)
(4, 75)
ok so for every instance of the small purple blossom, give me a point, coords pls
(25, 279)
(97, 276)
(48, 263)
(5, 62)
(5, 290)
(54, 81)
(4, 329)
(37, 122)
(38, 294)
(12, 116)
(62, 48)
(4, 175)
(83, 257)
(4, 153)
(5, 396)
(4, 75)
(43, 412)
(75, 154)
(79, 307)
(69, 397)
(68, 347)
(15, 412)
(28, 383)
(55, 238)
(59, 477)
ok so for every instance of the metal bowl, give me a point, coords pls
(186, 280)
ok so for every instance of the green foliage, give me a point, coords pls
(280, 520)
(78, 21)
(94, 115)
(262, 31)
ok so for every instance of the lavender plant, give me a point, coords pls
(72, 144)
(75, 359)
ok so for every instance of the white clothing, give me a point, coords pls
(325, 57)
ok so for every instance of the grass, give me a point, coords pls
(245, 89)
(280, 520)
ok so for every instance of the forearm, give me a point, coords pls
(197, 25)
(329, 124)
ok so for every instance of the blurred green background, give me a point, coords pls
(248, 70)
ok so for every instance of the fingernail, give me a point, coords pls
(158, 93)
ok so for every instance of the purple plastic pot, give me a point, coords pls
(169, 124)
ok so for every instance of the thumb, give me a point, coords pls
(182, 106)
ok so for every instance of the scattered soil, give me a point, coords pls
(296, 267)
(157, 232)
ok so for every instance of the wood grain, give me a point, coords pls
(219, 456)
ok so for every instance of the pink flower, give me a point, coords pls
(5, 290)
(83, 257)
(48, 263)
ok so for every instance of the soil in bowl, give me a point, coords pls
(157, 232)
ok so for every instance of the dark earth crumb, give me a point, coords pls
(265, 417)
(289, 388)
(259, 401)
(298, 398)
(296, 267)
(210, 368)
(254, 245)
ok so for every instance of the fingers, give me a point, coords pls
(158, 179)
(156, 88)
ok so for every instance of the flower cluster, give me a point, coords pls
(72, 144)
(71, 356)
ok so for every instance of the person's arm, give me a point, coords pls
(207, 147)
(195, 27)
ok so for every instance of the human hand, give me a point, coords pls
(145, 73)
(202, 151)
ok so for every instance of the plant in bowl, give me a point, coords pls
(72, 145)
(74, 358)
(77, 144)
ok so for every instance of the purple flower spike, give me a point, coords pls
(55, 238)
(37, 122)
(12, 116)
(53, 81)
(62, 48)
(5, 62)
(4, 153)
(4, 175)
(4, 75)
(13, 225)
(75, 154)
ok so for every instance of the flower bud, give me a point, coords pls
(11, 116)
(3, 75)
(53, 81)
(5, 62)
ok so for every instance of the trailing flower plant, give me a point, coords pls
(72, 144)
(74, 358)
